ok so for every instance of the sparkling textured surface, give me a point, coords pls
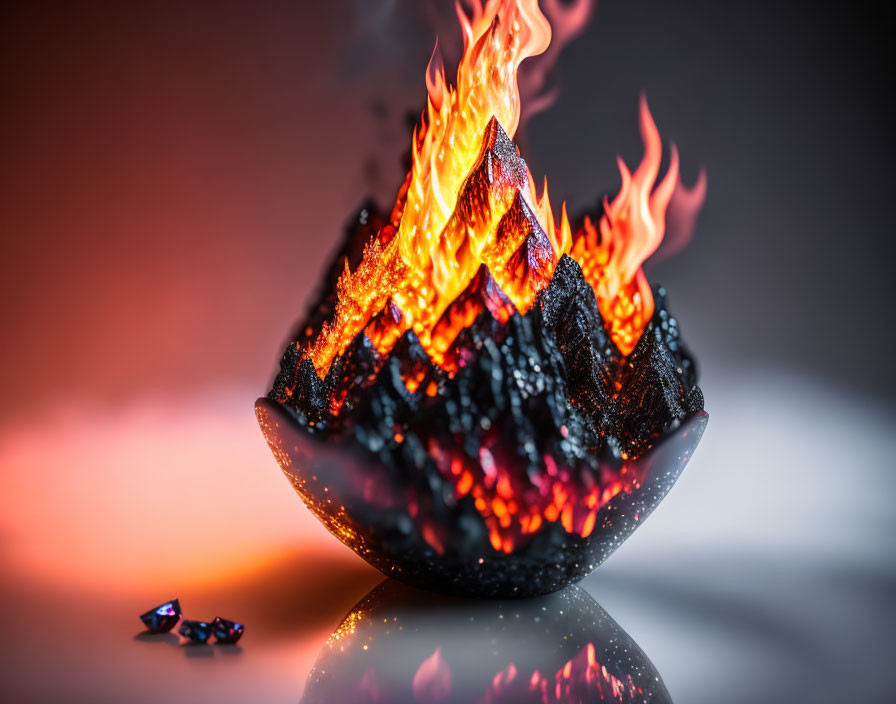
(162, 618)
(368, 505)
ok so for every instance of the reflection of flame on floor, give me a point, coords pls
(582, 678)
(432, 681)
(584, 675)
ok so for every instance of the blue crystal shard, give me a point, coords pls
(196, 631)
(227, 631)
(162, 618)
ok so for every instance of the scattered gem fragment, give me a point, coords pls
(196, 631)
(227, 631)
(162, 618)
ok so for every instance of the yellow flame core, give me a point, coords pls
(450, 219)
(494, 47)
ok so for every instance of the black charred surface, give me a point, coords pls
(547, 383)
(554, 366)
(570, 312)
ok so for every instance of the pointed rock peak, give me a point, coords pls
(495, 139)
(482, 295)
(386, 326)
(485, 288)
(652, 366)
(649, 346)
(408, 347)
(352, 372)
(498, 172)
(360, 357)
(532, 262)
(568, 285)
(652, 400)
(413, 363)
(310, 392)
(518, 223)
(500, 156)
(568, 271)
(468, 342)
(391, 312)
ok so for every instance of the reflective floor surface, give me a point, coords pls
(767, 575)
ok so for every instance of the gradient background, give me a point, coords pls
(175, 176)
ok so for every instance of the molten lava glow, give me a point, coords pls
(512, 509)
(469, 200)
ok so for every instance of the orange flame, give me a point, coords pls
(494, 47)
(440, 238)
(470, 201)
(631, 229)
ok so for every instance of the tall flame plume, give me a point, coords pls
(470, 201)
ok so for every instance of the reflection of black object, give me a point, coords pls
(389, 517)
(402, 645)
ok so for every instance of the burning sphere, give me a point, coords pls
(484, 399)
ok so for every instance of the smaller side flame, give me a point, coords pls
(630, 230)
